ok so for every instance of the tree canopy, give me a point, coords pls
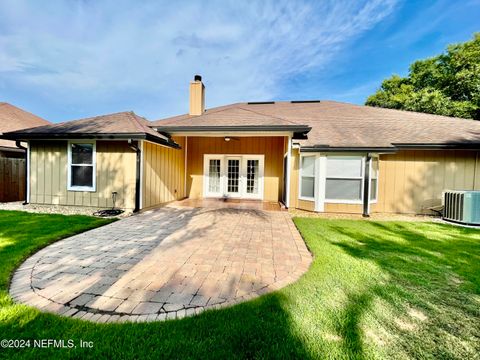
(447, 84)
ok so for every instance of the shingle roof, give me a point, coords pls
(336, 124)
(239, 114)
(123, 124)
(13, 118)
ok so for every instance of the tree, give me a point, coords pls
(447, 84)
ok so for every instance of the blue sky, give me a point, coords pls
(65, 60)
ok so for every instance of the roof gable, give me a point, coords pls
(118, 125)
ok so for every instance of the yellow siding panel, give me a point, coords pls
(413, 181)
(115, 172)
(163, 172)
(270, 147)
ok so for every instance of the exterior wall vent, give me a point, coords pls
(462, 206)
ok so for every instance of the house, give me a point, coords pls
(322, 156)
(12, 157)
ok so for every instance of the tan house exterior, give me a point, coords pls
(318, 156)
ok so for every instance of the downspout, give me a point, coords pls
(288, 169)
(366, 187)
(138, 152)
(27, 175)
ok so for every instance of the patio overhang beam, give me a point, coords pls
(245, 128)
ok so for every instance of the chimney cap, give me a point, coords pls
(197, 78)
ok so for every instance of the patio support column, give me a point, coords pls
(141, 173)
(27, 180)
(288, 169)
(366, 187)
(320, 181)
(138, 152)
(185, 167)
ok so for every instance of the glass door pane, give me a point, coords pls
(214, 176)
(252, 176)
(233, 176)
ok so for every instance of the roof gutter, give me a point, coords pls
(245, 128)
(326, 148)
(111, 136)
(393, 149)
(453, 146)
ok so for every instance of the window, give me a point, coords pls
(81, 166)
(307, 177)
(214, 176)
(374, 179)
(252, 176)
(344, 178)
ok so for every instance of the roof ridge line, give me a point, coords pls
(219, 109)
(133, 117)
(271, 116)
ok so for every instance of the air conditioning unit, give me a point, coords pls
(462, 206)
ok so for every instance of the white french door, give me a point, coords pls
(213, 177)
(234, 182)
(234, 176)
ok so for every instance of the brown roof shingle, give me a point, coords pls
(13, 118)
(122, 124)
(336, 124)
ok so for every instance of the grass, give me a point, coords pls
(374, 290)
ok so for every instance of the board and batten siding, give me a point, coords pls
(115, 171)
(412, 181)
(271, 147)
(163, 173)
(409, 181)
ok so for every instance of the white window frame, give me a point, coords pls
(300, 175)
(243, 176)
(93, 165)
(362, 178)
(206, 171)
(377, 158)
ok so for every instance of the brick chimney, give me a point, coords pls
(197, 96)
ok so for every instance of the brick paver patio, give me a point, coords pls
(164, 264)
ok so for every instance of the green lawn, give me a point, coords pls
(374, 290)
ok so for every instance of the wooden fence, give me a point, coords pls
(12, 179)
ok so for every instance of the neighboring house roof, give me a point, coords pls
(13, 118)
(123, 125)
(339, 125)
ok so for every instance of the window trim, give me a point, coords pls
(377, 158)
(306, 198)
(362, 179)
(93, 165)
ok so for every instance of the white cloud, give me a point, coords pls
(144, 53)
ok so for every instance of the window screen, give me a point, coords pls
(374, 179)
(307, 182)
(344, 178)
